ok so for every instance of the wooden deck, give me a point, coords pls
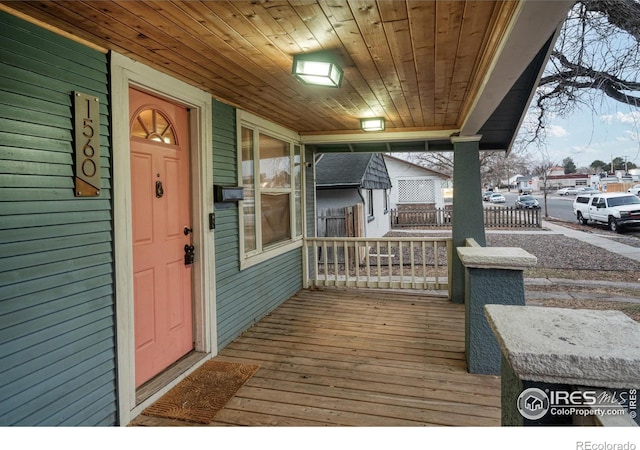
(350, 357)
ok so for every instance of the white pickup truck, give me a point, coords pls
(616, 209)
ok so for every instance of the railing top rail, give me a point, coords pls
(388, 239)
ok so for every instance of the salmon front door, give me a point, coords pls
(161, 223)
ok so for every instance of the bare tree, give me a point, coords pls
(597, 54)
(542, 169)
(495, 168)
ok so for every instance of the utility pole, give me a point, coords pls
(613, 170)
(508, 181)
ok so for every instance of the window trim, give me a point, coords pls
(126, 72)
(371, 211)
(386, 201)
(261, 253)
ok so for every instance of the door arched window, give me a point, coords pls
(153, 125)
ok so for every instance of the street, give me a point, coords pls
(558, 207)
(561, 207)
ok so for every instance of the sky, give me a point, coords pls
(612, 131)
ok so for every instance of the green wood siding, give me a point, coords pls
(57, 333)
(242, 297)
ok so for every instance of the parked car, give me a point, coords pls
(526, 190)
(588, 190)
(497, 198)
(615, 209)
(527, 202)
(568, 191)
(635, 189)
(486, 195)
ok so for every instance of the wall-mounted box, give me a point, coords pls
(224, 194)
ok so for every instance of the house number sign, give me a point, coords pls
(87, 144)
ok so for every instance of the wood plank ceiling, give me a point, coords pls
(419, 64)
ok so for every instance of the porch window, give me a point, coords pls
(271, 175)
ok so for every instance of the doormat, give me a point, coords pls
(200, 396)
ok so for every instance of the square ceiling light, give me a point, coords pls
(317, 69)
(372, 124)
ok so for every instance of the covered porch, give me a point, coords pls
(357, 357)
(445, 76)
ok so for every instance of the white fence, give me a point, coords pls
(393, 263)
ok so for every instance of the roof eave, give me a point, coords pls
(530, 31)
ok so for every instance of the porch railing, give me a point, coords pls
(494, 217)
(393, 263)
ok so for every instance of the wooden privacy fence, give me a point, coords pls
(494, 217)
(340, 222)
(393, 263)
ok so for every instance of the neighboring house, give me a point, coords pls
(555, 171)
(568, 180)
(556, 178)
(513, 180)
(527, 183)
(347, 179)
(414, 186)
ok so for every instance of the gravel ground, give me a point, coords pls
(631, 236)
(560, 256)
(560, 252)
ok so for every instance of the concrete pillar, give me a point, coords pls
(468, 214)
(494, 275)
(556, 361)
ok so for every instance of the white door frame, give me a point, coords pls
(127, 73)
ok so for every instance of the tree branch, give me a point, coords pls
(619, 13)
(611, 85)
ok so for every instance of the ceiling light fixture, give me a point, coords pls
(317, 69)
(372, 124)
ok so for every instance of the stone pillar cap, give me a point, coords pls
(568, 346)
(513, 258)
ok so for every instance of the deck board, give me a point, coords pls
(351, 357)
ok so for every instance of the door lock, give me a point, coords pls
(189, 256)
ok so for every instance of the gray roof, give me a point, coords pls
(417, 166)
(355, 170)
